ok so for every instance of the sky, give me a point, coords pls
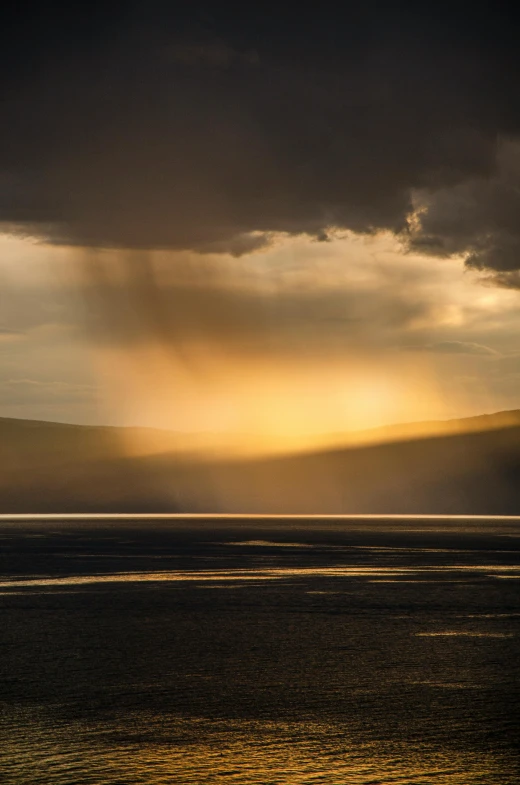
(241, 220)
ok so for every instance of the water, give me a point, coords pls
(261, 652)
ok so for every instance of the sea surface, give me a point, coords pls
(260, 651)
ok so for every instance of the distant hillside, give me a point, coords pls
(423, 429)
(64, 468)
(472, 473)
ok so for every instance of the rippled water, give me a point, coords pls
(260, 652)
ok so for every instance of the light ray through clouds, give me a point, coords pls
(279, 350)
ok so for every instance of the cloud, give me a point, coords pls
(510, 363)
(6, 334)
(31, 391)
(215, 131)
(28, 306)
(458, 347)
(479, 219)
(222, 307)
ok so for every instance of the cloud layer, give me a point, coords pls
(143, 127)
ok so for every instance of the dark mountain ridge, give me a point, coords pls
(51, 467)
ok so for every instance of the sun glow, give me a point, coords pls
(295, 347)
(240, 406)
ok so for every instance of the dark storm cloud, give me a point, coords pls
(479, 218)
(138, 126)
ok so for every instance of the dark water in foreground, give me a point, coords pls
(260, 652)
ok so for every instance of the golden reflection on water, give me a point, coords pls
(148, 749)
(274, 573)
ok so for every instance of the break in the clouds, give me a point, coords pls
(303, 336)
(144, 126)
